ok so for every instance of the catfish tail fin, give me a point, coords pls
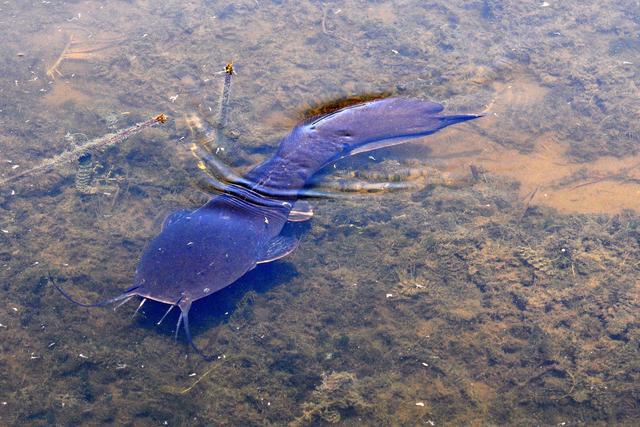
(382, 123)
(352, 130)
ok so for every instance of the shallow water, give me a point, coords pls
(502, 288)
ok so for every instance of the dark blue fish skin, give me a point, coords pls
(201, 252)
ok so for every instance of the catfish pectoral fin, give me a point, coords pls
(278, 247)
(301, 211)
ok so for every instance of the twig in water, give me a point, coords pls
(332, 33)
(73, 154)
(68, 53)
(51, 71)
(188, 389)
(224, 106)
(528, 203)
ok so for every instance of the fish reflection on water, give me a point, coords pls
(203, 251)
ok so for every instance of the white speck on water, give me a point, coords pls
(419, 403)
(14, 309)
(193, 374)
(372, 158)
(389, 295)
(82, 356)
(544, 4)
(266, 220)
(3, 326)
(15, 166)
(5, 231)
(431, 423)
(51, 344)
(425, 364)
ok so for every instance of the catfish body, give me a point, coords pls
(200, 252)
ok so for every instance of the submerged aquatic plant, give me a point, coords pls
(339, 391)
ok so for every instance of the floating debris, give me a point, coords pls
(75, 153)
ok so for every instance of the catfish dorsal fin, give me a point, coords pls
(278, 247)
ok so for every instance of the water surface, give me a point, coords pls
(503, 288)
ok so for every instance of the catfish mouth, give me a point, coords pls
(165, 300)
(183, 303)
